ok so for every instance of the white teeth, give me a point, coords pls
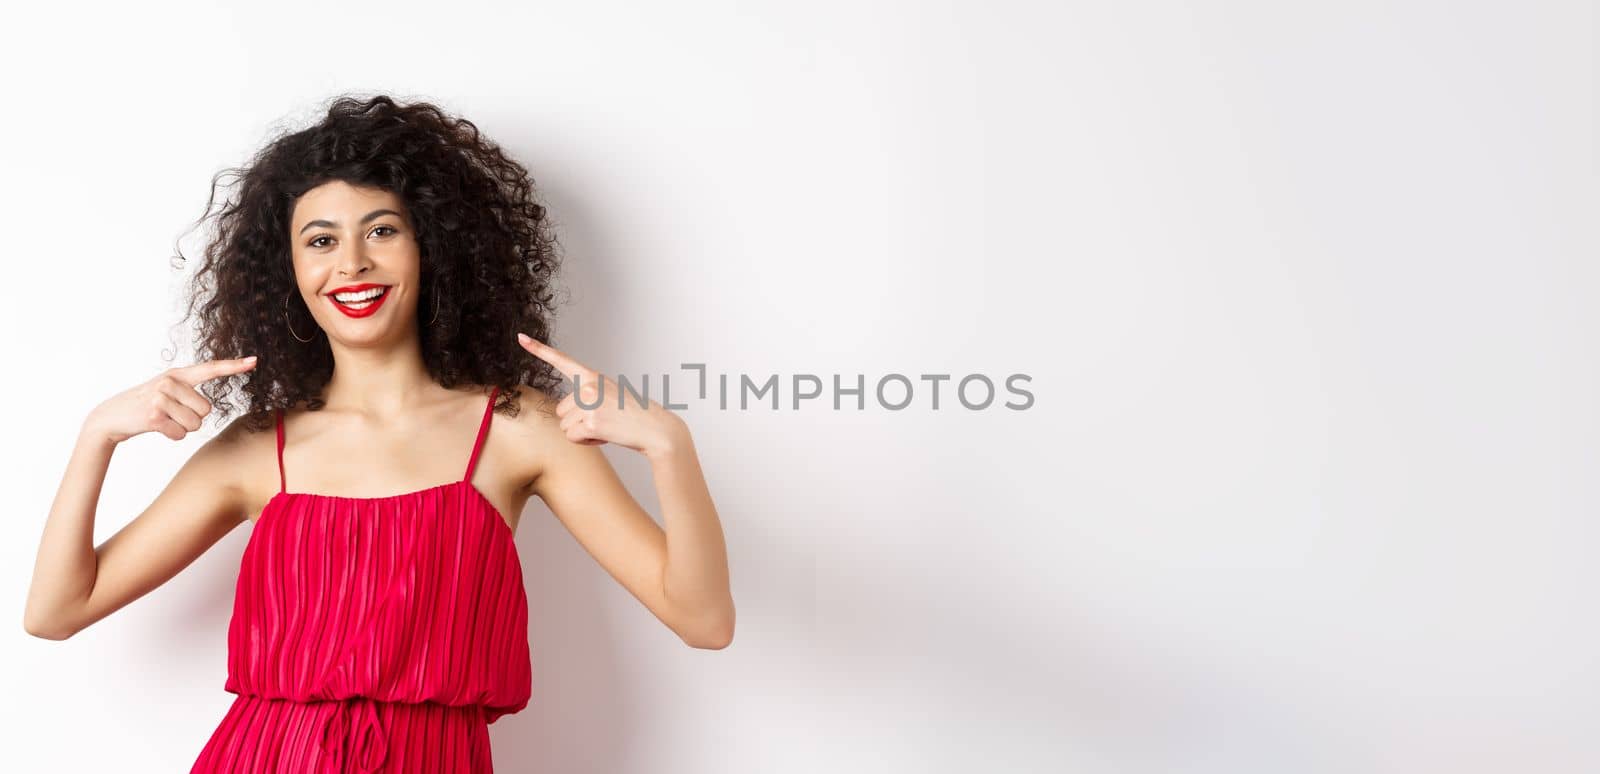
(365, 295)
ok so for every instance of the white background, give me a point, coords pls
(1306, 291)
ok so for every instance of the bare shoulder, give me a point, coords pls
(527, 439)
(241, 461)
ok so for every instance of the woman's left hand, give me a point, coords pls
(622, 421)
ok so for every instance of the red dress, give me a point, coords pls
(374, 633)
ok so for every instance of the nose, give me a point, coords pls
(354, 261)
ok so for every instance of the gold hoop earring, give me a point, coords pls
(286, 321)
(435, 305)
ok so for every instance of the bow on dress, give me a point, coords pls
(354, 736)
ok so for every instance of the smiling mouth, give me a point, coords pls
(359, 303)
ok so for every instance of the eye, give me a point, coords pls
(391, 228)
(313, 243)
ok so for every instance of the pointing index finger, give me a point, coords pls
(211, 369)
(555, 357)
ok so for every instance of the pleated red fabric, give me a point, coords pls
(374, 634)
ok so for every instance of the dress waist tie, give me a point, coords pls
(353, 734)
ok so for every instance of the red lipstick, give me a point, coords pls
(368, 307)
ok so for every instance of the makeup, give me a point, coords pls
(359, 300)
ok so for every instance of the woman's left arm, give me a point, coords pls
(680, 575)
(696, 574)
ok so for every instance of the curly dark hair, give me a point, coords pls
(486, 248)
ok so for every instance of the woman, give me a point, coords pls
(366, 296)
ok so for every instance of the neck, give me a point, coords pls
(378, 381)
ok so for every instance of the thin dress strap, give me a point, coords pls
(282, 483)
(483, 426)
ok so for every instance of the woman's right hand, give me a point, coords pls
(168, 404)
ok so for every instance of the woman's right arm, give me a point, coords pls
(75, 583)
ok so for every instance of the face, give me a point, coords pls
(356, 262)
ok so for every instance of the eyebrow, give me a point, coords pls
(367, 217)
